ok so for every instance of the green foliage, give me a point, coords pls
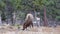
(52, 7)
(58, 17)
(20, 15)
(16, 4)
(2, 4)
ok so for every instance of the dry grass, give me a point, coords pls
(34, 30)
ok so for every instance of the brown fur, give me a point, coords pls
(27, 23)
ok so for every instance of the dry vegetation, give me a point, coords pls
(34, 30)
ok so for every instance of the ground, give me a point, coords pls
(34, 30)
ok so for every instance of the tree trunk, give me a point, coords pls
(14, 18)
(45, 18)
(0, 20)
(35, 14)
